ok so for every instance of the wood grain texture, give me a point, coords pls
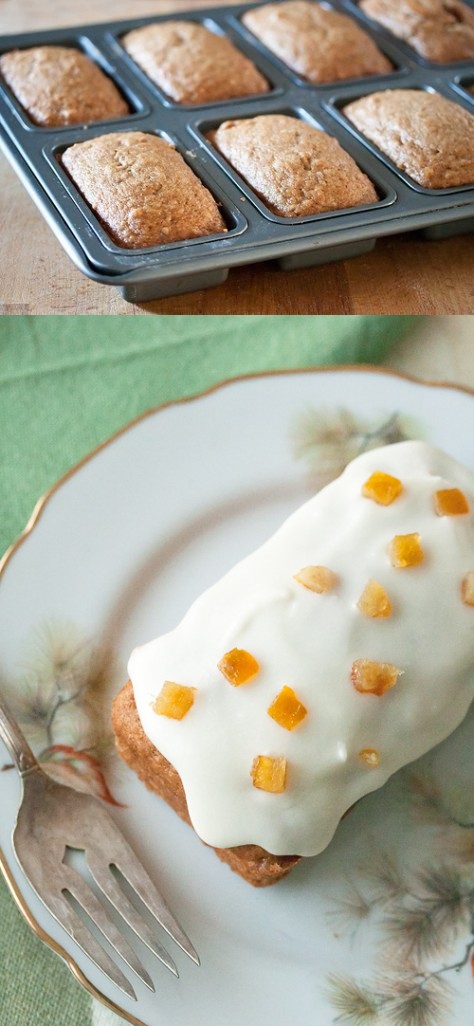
(404, 274)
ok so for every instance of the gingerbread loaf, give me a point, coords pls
(59, 85)
(439, 30)
(141, 189)
(191, 64)
(427, 136)
(336, 653)
(296, 169)
(318, 43)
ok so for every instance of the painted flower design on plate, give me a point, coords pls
(327, 440)
(421, 917)
(58, 700)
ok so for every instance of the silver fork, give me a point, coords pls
(52, 818)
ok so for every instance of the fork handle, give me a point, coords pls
(16, 742)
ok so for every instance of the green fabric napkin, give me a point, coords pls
(66, 384)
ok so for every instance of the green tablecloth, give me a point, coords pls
(65, 385)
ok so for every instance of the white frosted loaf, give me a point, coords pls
(323, 646)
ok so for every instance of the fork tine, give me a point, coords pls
(109, 886)
(86, 898)
(138, 878)
(74, 926)
(121, 855)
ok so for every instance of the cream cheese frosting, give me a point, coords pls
(310, 642)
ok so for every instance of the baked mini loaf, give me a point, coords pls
(317, 43)
(439, 30)
(427, 136)
(59, 85)
(296, 169)
(141, 189)
(336, 653)
(191, 64)
(256, 865)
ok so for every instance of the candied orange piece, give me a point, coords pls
(286, 709)
(405, 550)
(370, 756)
(467, 589)
(374, 601)
(238, 666)
(269, 773)
(316, 578)
(450, 502)
(382, 488)
(374, 678)
(174, 700)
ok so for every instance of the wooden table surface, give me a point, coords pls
(404, 274)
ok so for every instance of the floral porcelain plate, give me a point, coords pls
(379, 929)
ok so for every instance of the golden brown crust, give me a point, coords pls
(141, 189)
(294, 168)
(319, 44)
(191, 64)
(58, 85)
(429, 137)
(253, 863)
(439, 30)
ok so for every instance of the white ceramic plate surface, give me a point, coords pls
(115, 555)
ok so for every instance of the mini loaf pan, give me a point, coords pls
(254, 233)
